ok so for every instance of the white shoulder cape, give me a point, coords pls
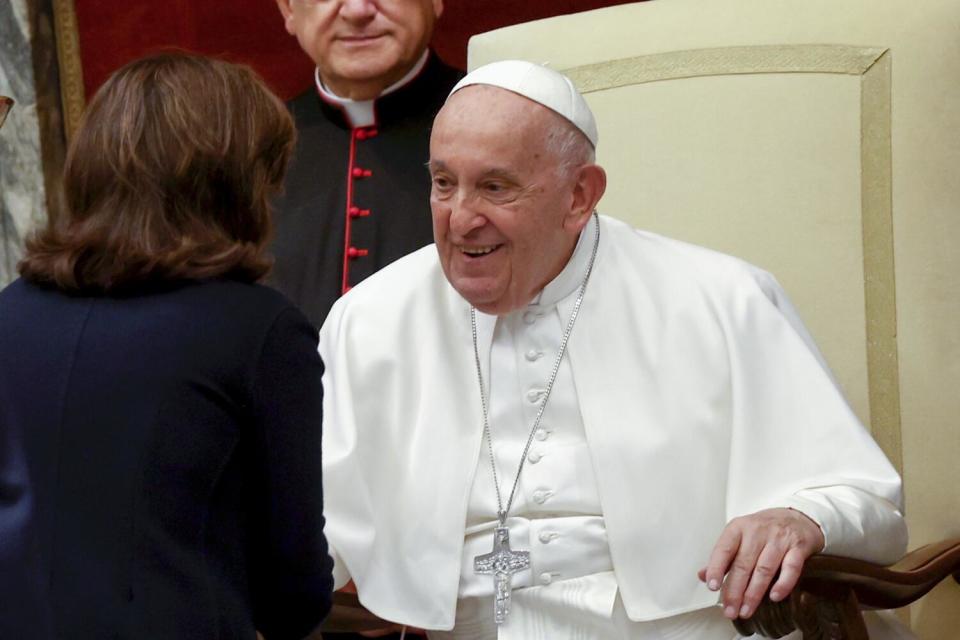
(702, 398)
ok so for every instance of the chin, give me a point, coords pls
(481, 300)
(491, 306)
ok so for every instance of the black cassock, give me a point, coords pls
(355, 199)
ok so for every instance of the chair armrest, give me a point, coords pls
(831, 591)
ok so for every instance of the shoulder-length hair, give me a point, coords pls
(168, 178)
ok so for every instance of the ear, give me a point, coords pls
(437, 8)
(590, 183)
(286, 11)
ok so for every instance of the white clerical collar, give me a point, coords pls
(570, 278)
(361, 113)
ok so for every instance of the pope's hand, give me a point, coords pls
(751, 550)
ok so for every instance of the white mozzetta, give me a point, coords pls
(701, 401)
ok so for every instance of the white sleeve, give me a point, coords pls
(796, 443)
(348, 524)
(847, 515)
(340, 574)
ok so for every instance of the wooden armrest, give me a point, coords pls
(827, 600)
(5, 106)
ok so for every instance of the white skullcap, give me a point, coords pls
(540, 84)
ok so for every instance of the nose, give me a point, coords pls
(358, 9)
(464, 217)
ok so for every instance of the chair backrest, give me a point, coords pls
(819, 140)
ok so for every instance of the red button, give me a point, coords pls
(361, 134)
(353, 252)
(361, 173)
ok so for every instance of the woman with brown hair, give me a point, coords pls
(167, 406)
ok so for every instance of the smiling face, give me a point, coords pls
(506, 215)
(361, 47)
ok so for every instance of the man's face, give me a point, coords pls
(503, 212)
(361, 46)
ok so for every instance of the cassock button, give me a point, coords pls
(546, 537)
(529, 317)
(534, 458)
(541, 434)
(545, 578)
(533, 355)
(539, 497)
(361, 134)
(353, 252)
(357, 212)
(361, 173)
(533, 395)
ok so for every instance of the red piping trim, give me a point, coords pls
(345, 282)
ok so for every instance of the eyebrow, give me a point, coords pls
(499, 173)
(439, 165)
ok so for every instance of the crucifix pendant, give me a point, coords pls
(502, 562)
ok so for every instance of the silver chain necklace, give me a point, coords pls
(503, 562)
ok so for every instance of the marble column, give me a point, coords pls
(31, 141)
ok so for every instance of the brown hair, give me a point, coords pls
(168, 178)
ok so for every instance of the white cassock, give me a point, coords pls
(690, 394)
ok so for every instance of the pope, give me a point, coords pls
(550, 424)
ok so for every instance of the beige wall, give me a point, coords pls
(819, 140)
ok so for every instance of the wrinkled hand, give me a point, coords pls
(750, 551)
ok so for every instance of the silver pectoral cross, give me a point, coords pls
(502, 562)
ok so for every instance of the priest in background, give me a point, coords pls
(355, 196)
(552, 425)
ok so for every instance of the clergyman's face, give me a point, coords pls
(502, 209)
(361, 46)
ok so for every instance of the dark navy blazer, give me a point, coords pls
(160, 472)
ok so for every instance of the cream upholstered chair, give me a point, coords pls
(819, 140)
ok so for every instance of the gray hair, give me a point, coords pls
(570, 146)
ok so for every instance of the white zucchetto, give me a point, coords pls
(544, 86)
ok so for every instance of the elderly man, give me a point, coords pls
(550, 425)
(354, 195)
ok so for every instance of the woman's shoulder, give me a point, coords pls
(255, 295)
(233, 303)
